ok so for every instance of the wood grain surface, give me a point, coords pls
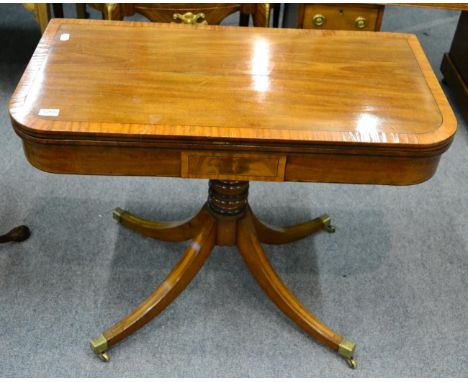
(141, 79)
(109, 91)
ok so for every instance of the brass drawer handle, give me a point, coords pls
(319, 20)
(360, 22)
(190, 18)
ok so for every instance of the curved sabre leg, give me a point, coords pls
(180, 276)
(281, 235)
(261, 268)
(166, 231)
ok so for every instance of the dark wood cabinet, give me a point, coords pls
(455, 65)
(365, 17)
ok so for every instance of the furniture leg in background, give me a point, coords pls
(58, 10)
(454, 65)
(276, 8)
(17, 234)
(41, 13)
(81, 12)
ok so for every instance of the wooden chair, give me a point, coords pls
(211, 13)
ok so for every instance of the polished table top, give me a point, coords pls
(214, 87)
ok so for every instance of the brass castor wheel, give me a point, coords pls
(327, 226)
(104, 356)
(351, 362)
(99, 346)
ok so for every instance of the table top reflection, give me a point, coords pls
(169, 80)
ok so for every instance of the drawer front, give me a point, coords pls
(346, 17)
(236, 166)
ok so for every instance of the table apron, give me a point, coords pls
(229, 165)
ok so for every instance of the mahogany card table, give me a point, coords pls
(231, 105)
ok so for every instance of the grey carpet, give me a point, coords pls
(394, 277)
